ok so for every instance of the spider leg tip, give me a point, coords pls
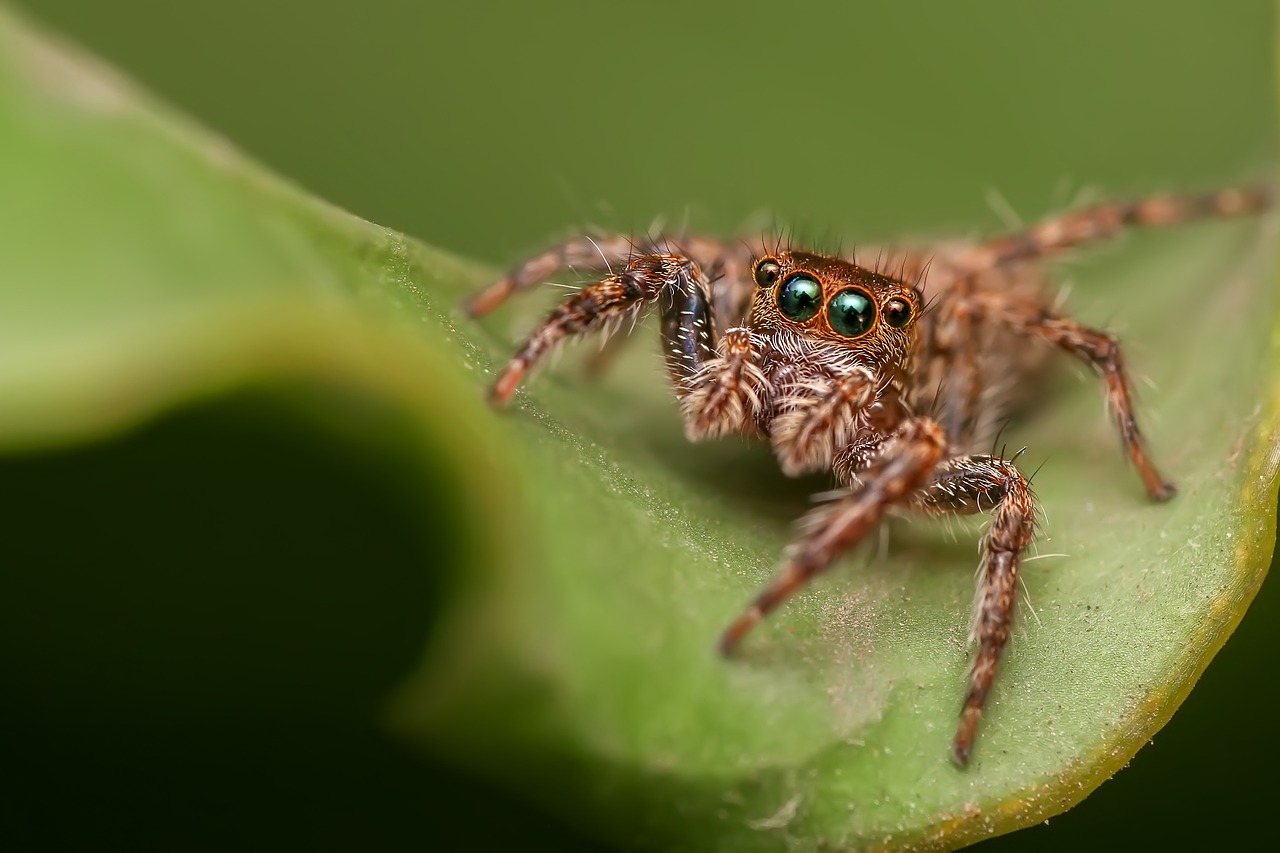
(1164, 492)
(479, 304)
(726, 644)
(962, 745)
(734, 633)
(504, 389)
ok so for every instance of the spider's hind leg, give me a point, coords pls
(1107, 220)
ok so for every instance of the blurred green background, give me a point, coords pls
(490, 128)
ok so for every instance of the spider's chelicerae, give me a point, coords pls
(892, 385)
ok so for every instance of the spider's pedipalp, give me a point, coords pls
(729, 393)
(819, 418)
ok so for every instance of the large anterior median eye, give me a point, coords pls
(852, 313)
(800, 298)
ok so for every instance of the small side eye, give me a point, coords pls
(897, 312)
(800, 298)
(852, 313)
(767, 272)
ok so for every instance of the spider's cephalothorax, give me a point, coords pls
(829, 343)
(841, 368)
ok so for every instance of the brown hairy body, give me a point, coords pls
(890, 370)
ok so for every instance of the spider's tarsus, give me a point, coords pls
(1165, 492)
(962, 746)
(489, 298)
(505, 388)
(733, 635)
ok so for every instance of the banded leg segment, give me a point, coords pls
(594, 254)
(608, 253)
(688, 328)
(646, 279)
(1103, 221)
(965, 485)
(1103, 353)
(828, 531)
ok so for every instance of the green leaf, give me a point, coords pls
(256, 507)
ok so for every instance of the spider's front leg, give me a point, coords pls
(675, 280)
(607, 252)
(585, 253)
(961, 486)
(903, 464)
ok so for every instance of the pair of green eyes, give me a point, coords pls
(851, 312)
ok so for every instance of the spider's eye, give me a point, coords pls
(897, 312)
(800, 298)
(767, 273)
(852, 313)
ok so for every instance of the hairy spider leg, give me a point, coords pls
(647, 279)
(961, 486)
(608, 253)
(1103, 221)
(906, 461)
(592, 254)
(1033, 319)
(1103, 353)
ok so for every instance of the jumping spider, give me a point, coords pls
(848, 368)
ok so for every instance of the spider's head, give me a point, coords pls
(826, 299)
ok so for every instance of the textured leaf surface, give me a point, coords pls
(565, 566)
